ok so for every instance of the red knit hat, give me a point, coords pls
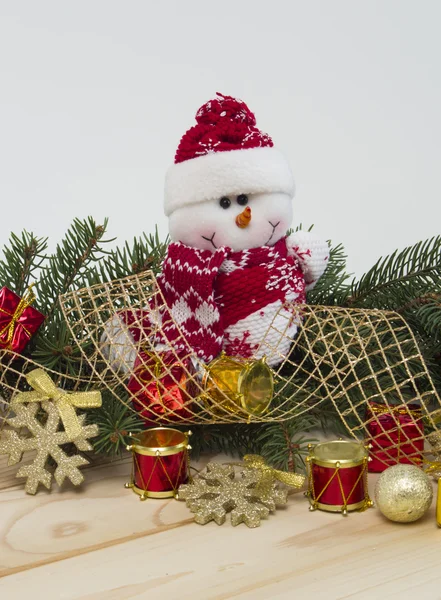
(224, 154)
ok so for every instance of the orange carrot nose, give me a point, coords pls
(243, 220)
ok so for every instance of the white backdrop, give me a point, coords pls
(95, 94)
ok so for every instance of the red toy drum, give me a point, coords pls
(338, 476)
(160, 462)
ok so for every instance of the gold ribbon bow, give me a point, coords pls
(66, 402)
(381, 409)
(26, 301)
(254, 461)
(433, 468)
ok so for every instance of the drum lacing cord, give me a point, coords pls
(367, 498)
(158, 456)
(337, 474)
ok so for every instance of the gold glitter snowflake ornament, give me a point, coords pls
(212, 495)
(46, 438)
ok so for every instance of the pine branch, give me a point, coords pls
(418, 265)
(145, 253)
(420, 301)
(284, 444)
(67, 266)
(235, 440)
(115, 421)
(23, 256)
(429, 313)
(332, 287)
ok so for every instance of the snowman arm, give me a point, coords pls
(118, 345)
(312, 254)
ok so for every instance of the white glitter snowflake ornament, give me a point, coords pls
(212, 495)
(45, 437)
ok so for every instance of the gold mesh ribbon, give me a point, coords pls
(66, 402)
(254, 461)
(26, 301)
(345, 358)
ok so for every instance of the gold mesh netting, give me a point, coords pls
(13, 370)
(363, 364)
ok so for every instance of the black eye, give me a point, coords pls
(242, 199)
(225, 202)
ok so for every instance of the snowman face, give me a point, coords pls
(237, 221)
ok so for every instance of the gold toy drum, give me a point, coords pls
(160, 462)
(338, 476)
(235, 384)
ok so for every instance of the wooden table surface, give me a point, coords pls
(99, 542)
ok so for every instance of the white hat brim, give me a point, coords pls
(211, 176)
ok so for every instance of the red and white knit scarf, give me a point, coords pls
(206, 292)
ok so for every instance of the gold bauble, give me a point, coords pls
(235, 385)
(403, 493)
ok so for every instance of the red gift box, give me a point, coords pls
(18, 319)
(395, 434)
(161, 386)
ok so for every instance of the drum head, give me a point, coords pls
(163, 439)
(342, 451)
(256, 387)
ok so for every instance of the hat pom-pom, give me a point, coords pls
(225, 108)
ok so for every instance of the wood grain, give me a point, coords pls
(100, 542)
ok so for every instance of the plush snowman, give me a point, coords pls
(232, 277)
